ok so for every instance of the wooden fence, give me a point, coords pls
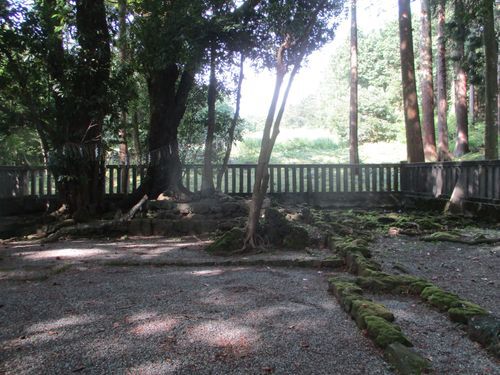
(481, 178)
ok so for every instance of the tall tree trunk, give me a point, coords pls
(427, 84)
(491, 57)
(414, 145)
(78, 162)
(122, 132)
(353, 118)
(207, 182)
(168, 100)
(462, 145)
(232, 128)
(443, 144)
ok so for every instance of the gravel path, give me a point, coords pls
(98, 319)
(473, 272)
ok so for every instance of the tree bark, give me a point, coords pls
(472, 104)
(122, 132)
(443, 144)
(414, 143)
(232, 128)
(136, 142)
(168, 100)
(491, 92)
(353, 118)
(427, 84)
(462, 144)
(207, 182)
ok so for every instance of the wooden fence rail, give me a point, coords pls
(481, 178)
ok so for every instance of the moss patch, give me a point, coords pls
(228, 243)
(363, 308)
(465, 310)
(383, 332)
(439, 298)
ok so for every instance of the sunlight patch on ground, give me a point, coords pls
(215, 272)
(238, 340)
(65, 322)
(63, 253)
(154, 327)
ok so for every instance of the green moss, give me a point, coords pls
(363, 308)
(384, 333)
(384, 282)
(439, 298)
(442, 236)
(464, 310)
(359, 265)
(229, 242)
(297, 238)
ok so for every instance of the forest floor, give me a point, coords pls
(154, 305)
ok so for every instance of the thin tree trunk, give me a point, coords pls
(414, 145)
(427, 84)
(122, 132)
(135, 137)
(353, 118)
(207, 182)
(491, 57)
(271, 128)
(232, 128)
(443, 144)
(472, 104)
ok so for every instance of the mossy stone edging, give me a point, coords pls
(378, 322)
(370, 277)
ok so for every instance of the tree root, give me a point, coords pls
(69, 228)
(449, 237)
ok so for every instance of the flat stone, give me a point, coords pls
(405, 360)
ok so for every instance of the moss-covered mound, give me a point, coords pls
(383, 332)
(363, 308)
(228, 243)
(284, 233)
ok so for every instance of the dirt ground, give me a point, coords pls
(155, 305)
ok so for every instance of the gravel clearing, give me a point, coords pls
(98, 319)
(438, 339)
(472, 272)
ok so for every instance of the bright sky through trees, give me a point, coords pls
(258, 87)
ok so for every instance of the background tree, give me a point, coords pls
(443, 143)
(427, 84)
(459, 32)
(414, 144)
(353, 118)
(491, 94)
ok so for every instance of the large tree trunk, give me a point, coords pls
(472, 104)
(491, 56)
(443, 144)
(462, 145)
(77, 161)
(136, 142)
(207, 182)
(232, 128)
(353, 118)
(168, 99)
(427, 84)
(414, 145)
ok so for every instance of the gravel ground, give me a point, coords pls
(147, 320)
(473, 272)
(438, 339)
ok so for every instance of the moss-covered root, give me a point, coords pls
(229, 243)
(383, 332)
(405, 360)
